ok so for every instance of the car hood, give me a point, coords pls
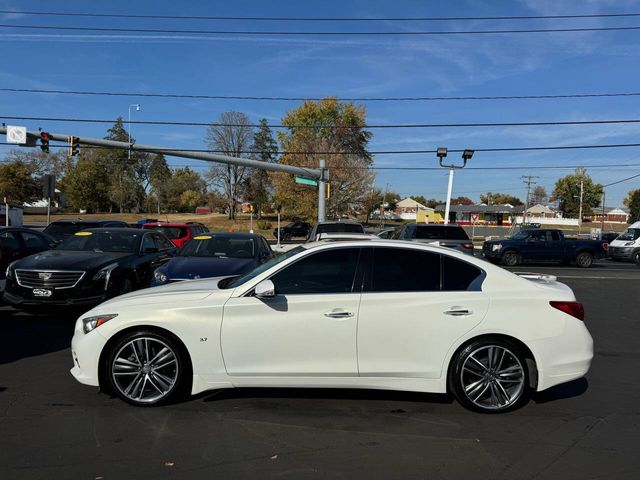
(622, 243)
(206, 267)
(69, 260)
(172, 293)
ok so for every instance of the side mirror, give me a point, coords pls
(265, 289)
(531, 240)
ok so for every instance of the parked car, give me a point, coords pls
(87, 268)
(61, 229)
(292, 230)
(178, 233)
(387, 233)
(450, 236)
(17, 243)
(363, 314)
(609, 237)
(335, 226)
(627, 245)
(543, 245)
(215, 255)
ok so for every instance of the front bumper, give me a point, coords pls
(85, 350)
(83, 295)
(620, 253)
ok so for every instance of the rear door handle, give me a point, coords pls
(338, 313)
(458, 311)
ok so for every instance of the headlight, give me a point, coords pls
(90, 323)
(629, 244)
(9, 272)
(160, 277)
(495, 247)
(105, 273)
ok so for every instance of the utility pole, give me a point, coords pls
(604, 196)
(384, 200)
(528, 179)
(322, 191)
(581, 196)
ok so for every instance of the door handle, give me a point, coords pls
(336, 313)
(458, 312)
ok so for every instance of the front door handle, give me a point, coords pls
(458, 311)
(338, 313)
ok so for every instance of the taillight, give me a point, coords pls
(468, 246)
(575, 309)
(605, 246)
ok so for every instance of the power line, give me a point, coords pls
(404, 152)
(321, 33)
(318, 98)
(395, 126)
(316, 19)
(620, 181)
(398, 152)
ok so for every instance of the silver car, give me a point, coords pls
(452, 236)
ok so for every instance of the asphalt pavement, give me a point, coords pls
(51, 427)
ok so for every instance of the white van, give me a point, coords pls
(626, 246)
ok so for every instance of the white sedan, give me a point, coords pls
(365, 313)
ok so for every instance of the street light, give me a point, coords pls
(441, 153)
(137, 105)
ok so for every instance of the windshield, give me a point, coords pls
(630, 234)
(219, 246)
(439, 232)
(261, 268)
(67, 229)
(339, 228)
(170, 232)
(109, 241)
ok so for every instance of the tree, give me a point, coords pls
(87, 181)
(567, 192)
(231, 136)
(633, 202)
(336, 132)
(462, 201)
(491, 198)
(258, 188)
(538, 196)
(42, 163)
(18, 182)
(184, 180)
(420, 199)
(433, 203)
(372, 202)
(159, 175)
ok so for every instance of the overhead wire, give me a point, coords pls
(318, 98)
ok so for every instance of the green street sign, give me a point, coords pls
(307, 181)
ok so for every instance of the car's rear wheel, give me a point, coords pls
(146, 368)
(584, 260)
(510, 259)
(490, 375)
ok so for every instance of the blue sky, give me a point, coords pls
(549, 63)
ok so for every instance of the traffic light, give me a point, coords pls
(74, 146)
(44, 142)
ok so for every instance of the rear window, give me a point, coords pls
(63, 229)
(437, 232)
(340, 228)
(170, 232)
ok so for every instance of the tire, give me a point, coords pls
(510, 259)
(635, 258)
(584, 260)
(495, 386)
(156, 372)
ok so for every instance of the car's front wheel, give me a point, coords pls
(490, 376)
(584, 260)
(510, 259)
(146, 368)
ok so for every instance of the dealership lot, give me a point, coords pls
(54, 427)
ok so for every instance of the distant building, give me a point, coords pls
(540, 211)
(611, 214)
(408, 208)
(486, 214)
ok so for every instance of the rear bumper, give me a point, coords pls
(565, 357)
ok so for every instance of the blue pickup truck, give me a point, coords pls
(543, 245)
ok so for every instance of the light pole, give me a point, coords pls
(442, 153)
(137, 105)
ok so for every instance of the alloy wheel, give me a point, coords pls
(145, 370)
(492, 377)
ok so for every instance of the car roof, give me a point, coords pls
(332, 222)
(172, 224)
(230, 234)
(112, 229)
(84, 220)
(437, 225)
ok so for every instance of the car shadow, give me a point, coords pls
(32, 334)
(571, 389)
(323, 394)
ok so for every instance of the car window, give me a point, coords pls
(161, 242)
(170, 232)
(265, 246)
(540, 236)
(33, 240)
(9, 241)
(553, 236)
(147, 242)
(328, 271)
(458, 275)
(404, 270)
(339, 228)
(439, 232)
